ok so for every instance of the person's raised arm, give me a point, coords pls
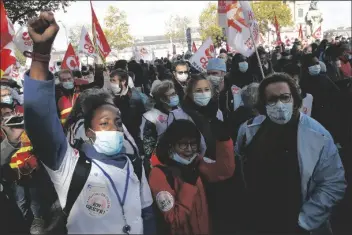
(41, 121)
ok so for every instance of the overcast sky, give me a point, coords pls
(148, 18)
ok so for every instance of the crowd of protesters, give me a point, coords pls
(161, 148)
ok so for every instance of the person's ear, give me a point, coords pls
(90, 134)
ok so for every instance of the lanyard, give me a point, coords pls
(127, 228)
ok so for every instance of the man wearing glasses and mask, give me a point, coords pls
(291, 167)
(180, 78)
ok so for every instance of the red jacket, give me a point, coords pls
(186, 208)
(65, 105)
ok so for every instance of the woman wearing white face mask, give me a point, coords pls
(201, 107)
(98, 187)
(178, 183)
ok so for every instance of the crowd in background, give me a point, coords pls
(221, 152)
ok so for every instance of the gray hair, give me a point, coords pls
(322, 66)
(249, 95)
(161, 88)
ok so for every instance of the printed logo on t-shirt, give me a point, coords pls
(97, 204)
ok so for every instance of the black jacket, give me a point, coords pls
(326, 102)
(132, 109)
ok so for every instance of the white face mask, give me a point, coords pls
(314, 70)
(116, 89)
(338, 63)
(108, 142)
(68, 85)
(202, 99)
(280, 113)
(182, 77)
(182, 160)
(243, 66)
(7, 99)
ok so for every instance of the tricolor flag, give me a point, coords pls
(99, 39)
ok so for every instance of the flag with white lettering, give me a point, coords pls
(240, 19)
(205, 52)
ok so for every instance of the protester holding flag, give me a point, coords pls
(264, 62)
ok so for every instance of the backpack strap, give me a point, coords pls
(168, 174)
(79, 178)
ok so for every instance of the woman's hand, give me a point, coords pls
(43, 30)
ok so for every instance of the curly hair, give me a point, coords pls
(86, 103)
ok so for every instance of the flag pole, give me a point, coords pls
(256, 51)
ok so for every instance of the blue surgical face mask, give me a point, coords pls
(314, 70)
(68, 85)
(243, 66)
(109, 143)
(7, 99)
(202, 99)
(174, 101)
(183, 161)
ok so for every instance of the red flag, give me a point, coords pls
(317, 33)
(300, 32)
(5, 27)
(99, 39)
(194, 48)
(71, 60)
(277, 28)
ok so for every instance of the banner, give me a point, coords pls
(222, 16)
(205, 52)
(99, 39)
(240, 19)
(23, 41)
(85, 44)
(71, 60)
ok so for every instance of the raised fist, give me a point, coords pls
(43, 30)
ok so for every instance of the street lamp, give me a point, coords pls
(65, 31)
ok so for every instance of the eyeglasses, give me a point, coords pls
(284, 98)
(182, 72)
(184, 146)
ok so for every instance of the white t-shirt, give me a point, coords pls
(97, 209)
